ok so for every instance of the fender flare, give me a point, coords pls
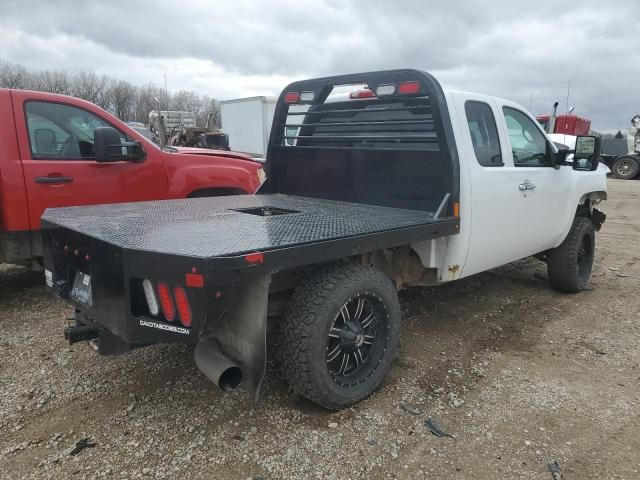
(593, 197)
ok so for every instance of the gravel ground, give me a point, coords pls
(520, 375)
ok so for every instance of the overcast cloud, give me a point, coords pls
(239, 48)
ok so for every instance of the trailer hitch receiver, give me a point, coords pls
(79, 333)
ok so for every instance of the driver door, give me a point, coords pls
(56, 151)
(543, 192)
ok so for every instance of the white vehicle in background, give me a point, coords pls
(248, 121)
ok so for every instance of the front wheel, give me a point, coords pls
(625, 168)
(569, 265)
(340, 335)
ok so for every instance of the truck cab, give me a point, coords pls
(47, 159)
(512, 184)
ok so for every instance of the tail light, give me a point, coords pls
(365, 93)
(182, 303)
(166, 301)
(291, 97)
(150, 295)
(409, 87)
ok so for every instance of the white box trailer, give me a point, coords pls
(247, 121)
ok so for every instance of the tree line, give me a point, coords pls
(126, 101)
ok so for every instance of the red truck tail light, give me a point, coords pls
(166, 302)
(182, 303)
(291, 97)
(409, 87)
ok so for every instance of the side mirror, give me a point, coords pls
(560, 157)
(587, 153)
(109, 147)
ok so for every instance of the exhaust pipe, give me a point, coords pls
(79, 333)
(225, 373)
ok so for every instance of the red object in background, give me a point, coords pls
(568, 124)
(30, 185)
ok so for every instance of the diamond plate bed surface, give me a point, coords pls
(210, 227)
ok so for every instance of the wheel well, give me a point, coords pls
(586, 209)
(592, 198)
(216, 192)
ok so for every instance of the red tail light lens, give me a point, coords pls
(291, 97)
(409, 87)
(166, 302)
(182, 302)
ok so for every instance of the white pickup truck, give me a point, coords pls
(400, 184)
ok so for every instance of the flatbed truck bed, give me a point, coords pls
(207, 228)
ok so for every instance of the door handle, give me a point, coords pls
(50, 180)
(523, 187)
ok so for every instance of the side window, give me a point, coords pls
(484, 134)
(528, 144)
(59, 131)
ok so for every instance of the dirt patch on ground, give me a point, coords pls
(520, 375)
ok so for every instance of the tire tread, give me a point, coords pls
(307, 306)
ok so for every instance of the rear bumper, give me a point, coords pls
(117, 308)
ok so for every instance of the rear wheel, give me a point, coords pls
(569, 265)
(340, 335)
(625, 168)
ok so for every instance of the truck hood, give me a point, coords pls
(212, 153)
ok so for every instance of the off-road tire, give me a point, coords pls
(628, 173)
(569, 265)
(311, 315)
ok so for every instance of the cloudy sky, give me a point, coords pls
(229, 49)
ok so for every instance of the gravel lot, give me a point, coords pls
(520, 375)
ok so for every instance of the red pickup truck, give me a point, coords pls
(60, 151)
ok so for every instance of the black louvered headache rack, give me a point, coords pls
(380, 138)
(371, 123)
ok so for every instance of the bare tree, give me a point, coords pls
(53, 81)
(213, 112)
(91, 87)
(123, 97)
(119, 97)
(147, 99)
(186, 101)
(13, 76)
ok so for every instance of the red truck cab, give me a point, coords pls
(568, 124)
(47, 160)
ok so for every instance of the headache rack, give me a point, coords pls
(380, 138)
